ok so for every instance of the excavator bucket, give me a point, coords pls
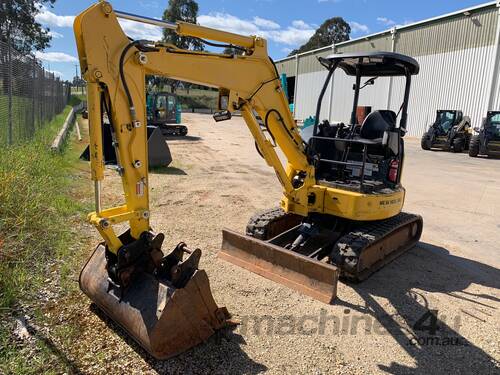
(158, 151)
(164, 319)
(314, 278)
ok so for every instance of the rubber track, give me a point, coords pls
(349, 247)
(260, 225)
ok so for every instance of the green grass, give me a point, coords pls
(37, 216)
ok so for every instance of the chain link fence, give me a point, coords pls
(29, 95)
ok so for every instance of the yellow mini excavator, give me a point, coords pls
(340, 214)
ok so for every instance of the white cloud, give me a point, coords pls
(265, 24)
(56, 73)
(293, 35)
(358, 27)
(286, 50)
(299, 24)
(385, 21)
(46, 17)
(133, 29)
(138, 30)
(406, 22)
(229, 23)
(55, 35)
(298, 33)
(55, 56)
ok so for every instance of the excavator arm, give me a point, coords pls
(115, 69)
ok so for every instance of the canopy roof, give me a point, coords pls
(372, 64)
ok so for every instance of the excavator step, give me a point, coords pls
(311, 277)
(161, 318)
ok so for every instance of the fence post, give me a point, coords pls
(33, 94)
(9, 89)
(42, 97)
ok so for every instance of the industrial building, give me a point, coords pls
(458, 55)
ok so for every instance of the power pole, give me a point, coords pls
(77, 78)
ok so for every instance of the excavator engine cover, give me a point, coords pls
(165, 320)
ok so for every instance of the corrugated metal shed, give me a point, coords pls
(458, 55)
(309, 63)
(287, 66)
(450, 34)
(377, 43)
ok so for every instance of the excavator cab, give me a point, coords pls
(364, 157)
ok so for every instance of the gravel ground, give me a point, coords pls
(218, 180)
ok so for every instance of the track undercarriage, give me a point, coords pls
(357, 248)
(331, 247)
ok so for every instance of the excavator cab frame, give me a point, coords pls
(379, 129)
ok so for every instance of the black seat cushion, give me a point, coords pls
(376, 123)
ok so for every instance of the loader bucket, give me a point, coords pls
(164, 320)
(311, 277)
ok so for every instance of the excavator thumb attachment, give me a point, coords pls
(311, 277)
(165, 320)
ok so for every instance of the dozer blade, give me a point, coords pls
(311, 277)
(164, 320)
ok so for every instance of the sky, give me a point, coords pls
(285, 24)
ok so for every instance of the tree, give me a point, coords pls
(19, 27)
(182, 10)
(333, 30)
(187, 11)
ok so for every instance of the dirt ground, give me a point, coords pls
(218, 180)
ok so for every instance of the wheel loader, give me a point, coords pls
(451, 131)
(487, 141)
(340, 214)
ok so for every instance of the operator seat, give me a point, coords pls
(376, 123)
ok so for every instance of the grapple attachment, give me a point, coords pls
(166, 317)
